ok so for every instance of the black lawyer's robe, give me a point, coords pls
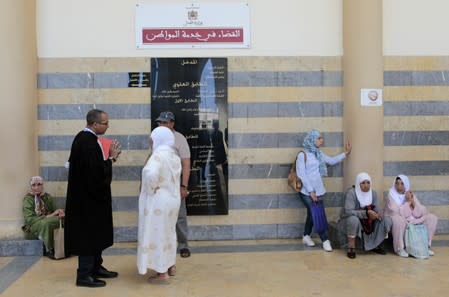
(88, 221)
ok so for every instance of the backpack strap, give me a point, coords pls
(305, 155)
(296, 159)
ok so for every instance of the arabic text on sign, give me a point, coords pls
(192, 35)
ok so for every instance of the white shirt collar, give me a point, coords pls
(89, 130)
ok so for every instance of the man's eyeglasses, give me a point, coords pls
(38, 184)
(99, 123)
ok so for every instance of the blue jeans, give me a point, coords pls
(307, 200)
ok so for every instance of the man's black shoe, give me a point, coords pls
(104, 273)
(90, 282)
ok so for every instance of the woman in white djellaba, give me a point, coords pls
(159, 203)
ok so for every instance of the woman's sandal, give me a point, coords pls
(185, 253)
(172, 271)
(351, 253)
(158, 279)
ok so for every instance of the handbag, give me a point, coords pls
(293, 179)
(319, 218)
(416, 241)
(58, 238)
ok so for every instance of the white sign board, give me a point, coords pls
(192, 25)
(371, 97)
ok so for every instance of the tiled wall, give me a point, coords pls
(272, 101)
(416, 125)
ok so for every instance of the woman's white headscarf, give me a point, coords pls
(364, 198)
(163, 146)
(39, 205)
(162, 138)
(399, 198)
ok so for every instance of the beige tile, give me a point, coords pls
(137, 64)
(236, 186)
(242, 242)
(236, 217)
(269, 155)
(284, 125)
(94, 96)
(416, 63)
(275, 186)
(119, 188)
(284, 94)
(127, 158)
(416, 153)
(415, 93)
(236, 156)
(297, 273)
(94, 64)
(71, 127)
(416, 123)
(299, 63)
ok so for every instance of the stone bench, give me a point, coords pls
(336, 237)
(20, 247)
(339, 239)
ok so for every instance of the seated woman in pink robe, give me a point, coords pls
(404, 208)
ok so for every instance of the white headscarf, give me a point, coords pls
(39, 205)
(163, 146)
(364, 198)
(163, 138)
(399, 198)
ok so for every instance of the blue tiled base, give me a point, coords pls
(20, 247)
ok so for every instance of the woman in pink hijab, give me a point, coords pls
(404, 208)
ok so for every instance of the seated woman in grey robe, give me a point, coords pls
(363, 217)
(40, 215)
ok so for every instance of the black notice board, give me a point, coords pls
(196, 91)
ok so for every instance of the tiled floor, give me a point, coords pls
(245, 268)
(4, 261)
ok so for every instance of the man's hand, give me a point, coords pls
(115, 149)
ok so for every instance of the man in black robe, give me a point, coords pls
(88, 224)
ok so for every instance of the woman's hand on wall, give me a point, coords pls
(348, 147)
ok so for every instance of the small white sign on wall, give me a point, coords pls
(371, 97)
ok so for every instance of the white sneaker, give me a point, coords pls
(307, 240)
(431, 253)
(327, 246)
(402, 254)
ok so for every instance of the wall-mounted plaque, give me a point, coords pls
(195, 90)
(138, 80)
